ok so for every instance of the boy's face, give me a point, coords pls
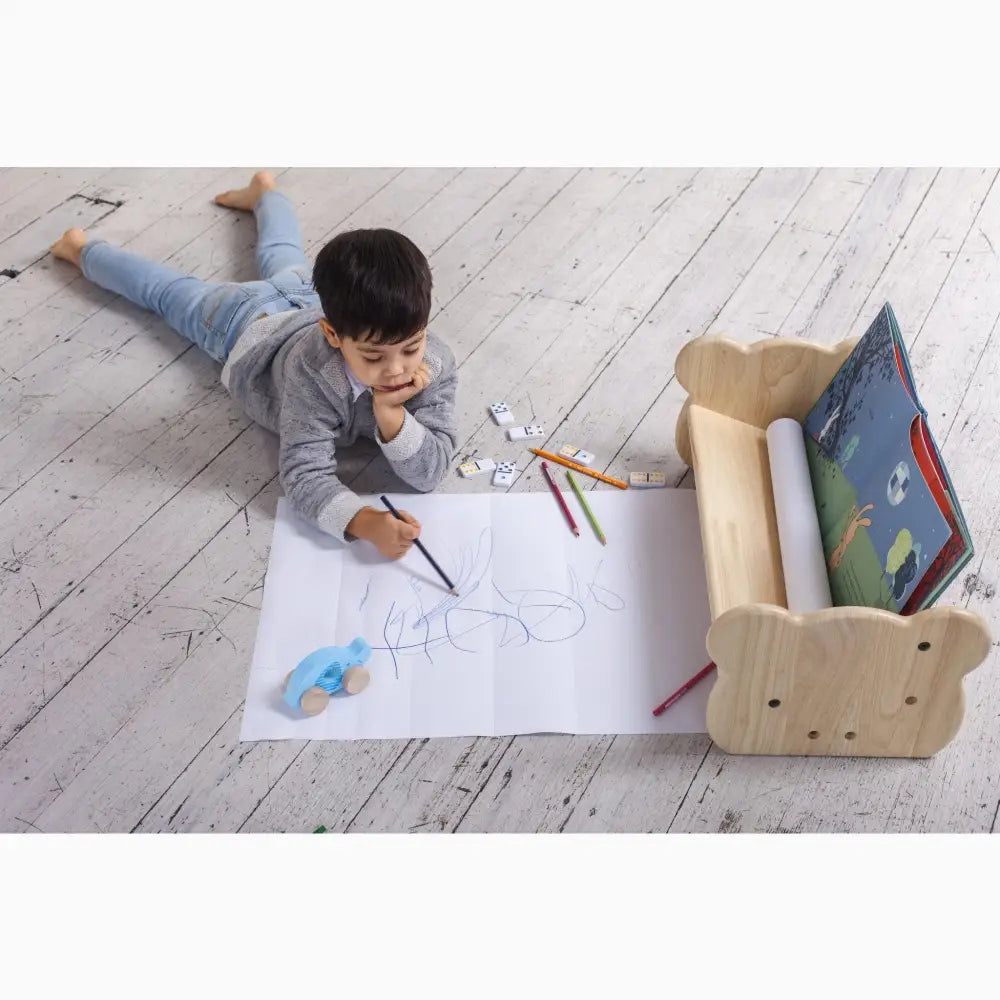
(384, 367)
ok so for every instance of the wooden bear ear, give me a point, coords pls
(730, 632)
(758, 382)
(964, 635)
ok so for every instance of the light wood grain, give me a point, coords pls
(761, 382)
(625, 791)
(739, 533)
(375, 190)
(621, 397)
(843, 681)
(956, 790)
(829, 309)
(643, 262)
(736, 391)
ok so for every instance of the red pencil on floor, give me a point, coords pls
(663, 706)
(559, 497)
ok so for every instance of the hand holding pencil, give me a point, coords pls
(395, 534)
(392, 534)
(405, 518)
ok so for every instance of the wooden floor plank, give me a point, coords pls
(32, 203)
(31, 244)
(227, 419)
(15, 180)
(958, 788)
(620, 394)
(769, 292)
(461, 258)
(460, 199)
(525, 362)
(536, 784)
(106, 517)
(829, 309)
(121, 704)
(51, 299)
(699, 212)
(89, 207)
(226, 782)
(79, 407)
(317, 792)
(73, 682)
(690, 220)
(126, 777)
(641, 781)
(583, 265)
(918, 270)
(348, 221)
(100, 469)
(570, 210)
(638, 785)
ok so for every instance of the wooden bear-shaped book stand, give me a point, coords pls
(845, 681)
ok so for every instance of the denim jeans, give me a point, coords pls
(213, 314)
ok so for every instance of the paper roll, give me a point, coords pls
(807, 587)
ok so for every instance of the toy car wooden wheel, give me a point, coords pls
(355, 680)
(314, 700)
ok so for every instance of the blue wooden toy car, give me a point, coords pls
(330, 669)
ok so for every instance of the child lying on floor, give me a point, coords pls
(321, 357)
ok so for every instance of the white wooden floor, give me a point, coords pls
(136, 501)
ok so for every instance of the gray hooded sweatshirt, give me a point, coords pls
(287, 378)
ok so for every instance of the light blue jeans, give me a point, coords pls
(213, 314)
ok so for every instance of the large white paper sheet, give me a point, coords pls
(549, 633)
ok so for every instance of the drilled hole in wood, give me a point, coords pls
(774, 703)
(911, 700)
(813, 734)
(923, 646)
(849, 736)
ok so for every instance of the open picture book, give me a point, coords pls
(893, 531)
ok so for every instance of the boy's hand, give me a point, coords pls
(386, 400)
(392, 537)
(388, 406)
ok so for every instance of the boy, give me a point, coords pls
(320, 359)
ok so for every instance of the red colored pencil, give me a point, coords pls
(704, 672)
(559, 497)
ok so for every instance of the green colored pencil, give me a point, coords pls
(586, 507)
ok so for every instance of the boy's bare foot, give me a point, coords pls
(246, 198)
(69, 246)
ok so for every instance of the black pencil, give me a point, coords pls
(416, 541)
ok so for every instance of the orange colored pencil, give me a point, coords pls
(579, 468)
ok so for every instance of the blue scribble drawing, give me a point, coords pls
(367, 592)
(534, 614)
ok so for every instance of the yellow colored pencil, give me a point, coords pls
(586, 507)
(579, 468)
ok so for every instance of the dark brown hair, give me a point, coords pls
(374, 285)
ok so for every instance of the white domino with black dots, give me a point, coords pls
(646, 480)
(501, 413)
(504, 475)
(577, 455)
(524, 433)
(476, 467)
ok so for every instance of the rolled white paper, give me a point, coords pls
(807, 587)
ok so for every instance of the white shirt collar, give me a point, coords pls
(359, 387)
